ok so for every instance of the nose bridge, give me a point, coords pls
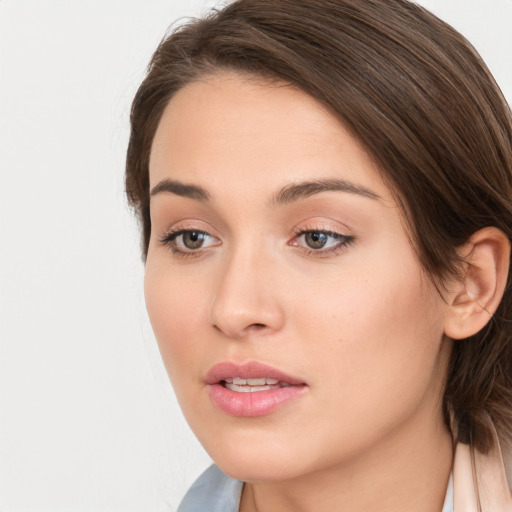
(245, 300)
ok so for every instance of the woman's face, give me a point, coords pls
(278, 254)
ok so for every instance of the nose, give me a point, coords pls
(246, 299)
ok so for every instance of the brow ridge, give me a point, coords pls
(306, 189)
(287, 194)
(180, 189)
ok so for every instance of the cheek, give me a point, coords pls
(376, 360)
(367, 298)
(176, 310)
(376, 333)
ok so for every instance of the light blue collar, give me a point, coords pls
(213, 491)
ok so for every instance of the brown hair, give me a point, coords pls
(422, 102)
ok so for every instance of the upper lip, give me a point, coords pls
(248, 370)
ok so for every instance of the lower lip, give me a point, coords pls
(256, 403)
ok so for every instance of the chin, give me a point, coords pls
(258, 468)
(250, 455)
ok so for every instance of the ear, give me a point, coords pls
(474, 299)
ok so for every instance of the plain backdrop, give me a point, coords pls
(88, 421)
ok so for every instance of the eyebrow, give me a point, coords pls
(306, 189)
(288, 194)
(181, 189)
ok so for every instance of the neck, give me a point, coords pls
(408, 470)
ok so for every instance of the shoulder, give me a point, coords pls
(213, 491)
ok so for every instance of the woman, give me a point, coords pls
(325, 193)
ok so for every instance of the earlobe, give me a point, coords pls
(475, 298)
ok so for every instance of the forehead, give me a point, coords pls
(229, 128)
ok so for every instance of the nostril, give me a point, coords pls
(255, 328)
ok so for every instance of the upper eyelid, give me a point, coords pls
(180, 231)
(183, 226)
(172, 234)
(331, 232)
(321, 223)
(299, 229)
(336, 235)
(322, 227)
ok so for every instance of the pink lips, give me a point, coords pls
(250, 403)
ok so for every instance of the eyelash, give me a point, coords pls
(169, 240)
(343, 241)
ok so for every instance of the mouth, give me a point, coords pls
(251, 389)
(254, 385)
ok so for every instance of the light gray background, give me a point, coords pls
(88, 422)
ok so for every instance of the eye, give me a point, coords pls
(192, 239)
(186, 241)
(316, 239)
(321, 242)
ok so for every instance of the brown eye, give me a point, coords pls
(193, 239)
(189, 241)
(315, 239)
(322, 243)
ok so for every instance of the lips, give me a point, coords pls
(251, 370)
(251, 389)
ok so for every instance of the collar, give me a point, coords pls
(480, 480)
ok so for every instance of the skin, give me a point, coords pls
(360, 323)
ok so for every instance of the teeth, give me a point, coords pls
(249, 389)
(256, 382)
(262, 381)
(253, 385)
